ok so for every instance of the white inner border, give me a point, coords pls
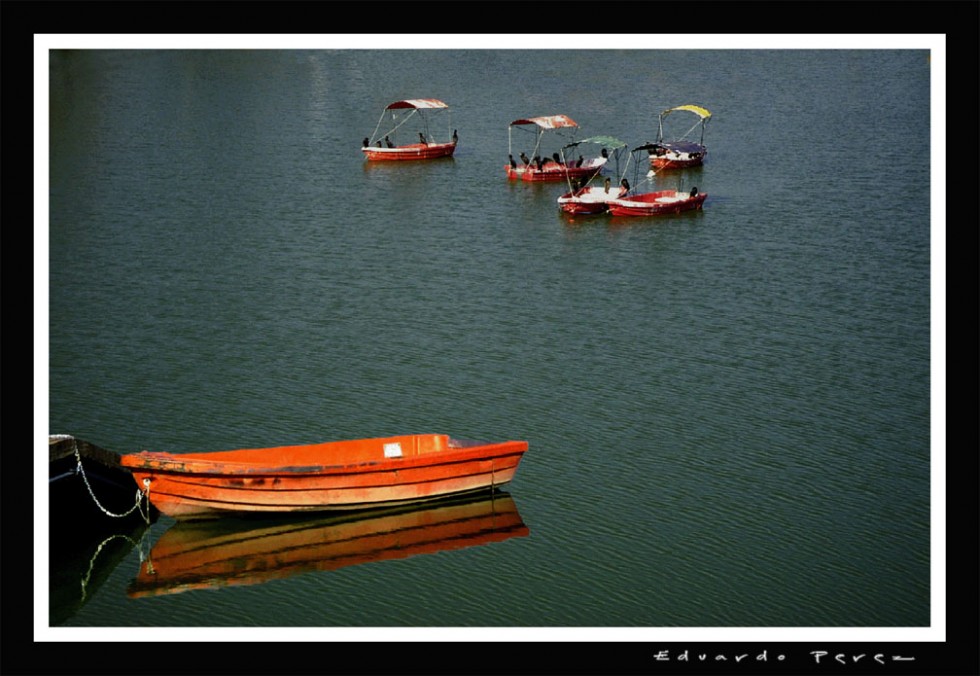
(936, 43)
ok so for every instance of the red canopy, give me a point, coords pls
(417, 103)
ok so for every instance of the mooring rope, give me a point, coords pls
(139, 493)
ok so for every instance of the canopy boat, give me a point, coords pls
(423, 143)
(539, 166)
(655, 203)
(584, 196)
(680, 152)
(326, 476)
(224, 552)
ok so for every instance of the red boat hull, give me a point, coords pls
(328, 476)
(590, 201)
(677, 154)
(552, 171)
(583, 208)
(656, 203)
(668, 163)
(416, 151)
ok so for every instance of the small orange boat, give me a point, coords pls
(230, 552)
(327, 476)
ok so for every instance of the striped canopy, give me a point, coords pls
(547, 122)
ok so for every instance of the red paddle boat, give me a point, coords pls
(540, 166)
(423, 143)
(680, 152)
(657, 202)
(584, 196)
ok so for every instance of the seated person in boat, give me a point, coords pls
(422, 139)
(389, 143)
(624, 187)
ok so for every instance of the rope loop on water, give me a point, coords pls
(139, 493)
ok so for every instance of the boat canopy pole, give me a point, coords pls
(394, 120)
(537, 144)
(701, 122)
(629, 156)
(568, 175)
(374, 136)
(685, 135)
(636, 169)
(397, 123)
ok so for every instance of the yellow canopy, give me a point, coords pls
(703, 113)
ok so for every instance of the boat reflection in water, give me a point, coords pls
(241, 551)
(80, 563)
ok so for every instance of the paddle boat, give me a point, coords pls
(539, 166)
(654, 203)
(657, 203)
(423, 144)
(333, 475)
(680, 152)
(584, 196)
(219, 553)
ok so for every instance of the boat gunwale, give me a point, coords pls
(411, 148)
(178, 464)
(416, 151)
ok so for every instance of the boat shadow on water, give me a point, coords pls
(250, 550)
(95, 521)
(625, 222)
(81, 562)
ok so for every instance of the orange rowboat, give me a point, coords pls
(227, 552)
(326, 476)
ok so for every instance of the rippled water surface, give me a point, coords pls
(728, 410)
